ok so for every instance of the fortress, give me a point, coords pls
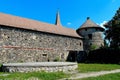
(25, 40)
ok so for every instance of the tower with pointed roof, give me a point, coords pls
(58, 23)
(92, 34)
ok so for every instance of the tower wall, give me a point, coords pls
(92, 37)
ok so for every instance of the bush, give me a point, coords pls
(104, 55)
(56, 59)
(93, 47)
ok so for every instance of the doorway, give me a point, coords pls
(72, 56)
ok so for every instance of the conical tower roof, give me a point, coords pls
(89, 24)
(58, 23)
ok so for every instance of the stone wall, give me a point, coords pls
(20, 45)
(39, 66)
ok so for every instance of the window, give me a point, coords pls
(96, 29)
(85, 29)
(44, 55)
(80, 43)
(90, 36)
(90, 44)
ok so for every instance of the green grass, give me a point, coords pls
(115, 76)
(82, 68)
(39, 75)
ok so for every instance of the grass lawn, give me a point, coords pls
(82, 68)
(115, 76)
(38, 75)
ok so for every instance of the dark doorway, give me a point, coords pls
(72, 56)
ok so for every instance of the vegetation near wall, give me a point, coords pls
(104, 55)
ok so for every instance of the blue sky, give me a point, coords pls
(72, 12)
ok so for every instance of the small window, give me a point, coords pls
(90, 36)
(96, 29)
(90, 44)
(44, 55)
(80, 43)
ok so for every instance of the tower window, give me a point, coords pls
(85, 29)
(96, 29)
(90, 44)
(90, 36)
(80, 43)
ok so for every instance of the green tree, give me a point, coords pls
(112, 33)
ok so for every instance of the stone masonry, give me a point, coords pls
(96, 38)
(21, 45)
(39, 66)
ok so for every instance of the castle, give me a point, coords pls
(25, 40)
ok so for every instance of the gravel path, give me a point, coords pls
(91, 74)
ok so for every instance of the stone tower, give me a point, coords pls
(92, 34)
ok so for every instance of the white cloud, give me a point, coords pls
(101, 24)
(68, 23)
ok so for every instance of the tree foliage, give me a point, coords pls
(113, 30)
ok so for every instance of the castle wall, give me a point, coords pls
(20, 45)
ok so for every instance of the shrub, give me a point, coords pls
(56, 59)
(93, 47)
(104, 55)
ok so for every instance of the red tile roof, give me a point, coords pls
(24, 23)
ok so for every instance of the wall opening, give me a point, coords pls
(90, 36)
(96, 29)
(72, 56)
(85, 29)
(80, 43)
(44, 55)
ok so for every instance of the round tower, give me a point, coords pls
(92, 34)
